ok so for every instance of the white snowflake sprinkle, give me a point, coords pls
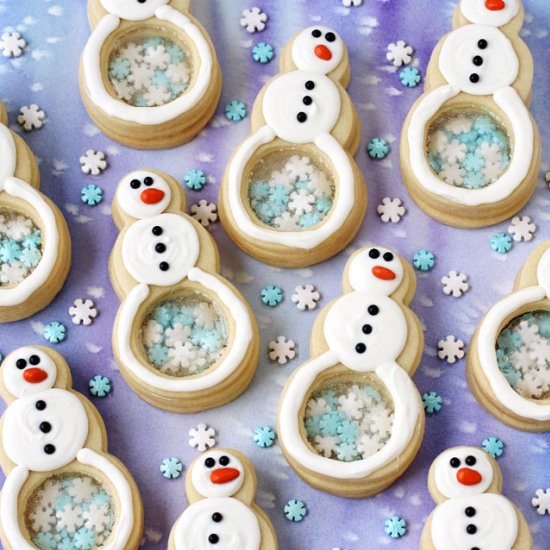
(202, 437)
(93, 162)
(301, 202)
(96, 518)
(176, 336)
(522, 229)
(70, 518)
(12, 44)
(399, 53)
(287, 221)
(455, 284)
(454, 152)
(306, 297)
(152, 333)
(204, 212)
(451, 349)
(83, 312)
(31, 117)
(326, 446)
(391, 210)
(282, 350)
(542, 501)
(453, 174)
(253, 19)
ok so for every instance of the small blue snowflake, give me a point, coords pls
(295, 510)
(195, 179)
(119, 68)
(378, 148)
(176, 53)
(347, 452)
(509, 340)
(34, 240)
(84, 539)
(265, 212)
(99, 386)
(164, 315)
(45, 541)
(424, 260)
(158, 354)
(323, 204)
(54, 332)
(235, 110)
(432, 402)
(91, 195)
(330, 423)
(410, 77)
(184, 316)
(264, 436)
(160, 78)
(10, 251)
(171, 468)
(262, 52)
(348, 431)
(259, 190)
(280, 195)
(313, 426)
(30, 257)
(395, 527)
(484, 125)
(309, 220)
(271, 295)
(473, 162)
(474, 180)
(493, 446)
(330, 398)
(501, 242)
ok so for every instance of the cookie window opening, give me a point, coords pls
(290, 190)
(468, 148)
(348, 418)
(523, 354)
(184, 335)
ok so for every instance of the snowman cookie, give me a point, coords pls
(149, 76)
(184, 338)
(470, 150)
(62, 488)
(508, 363)
(222, 514)
(292, 194)
(35, 246)
(351, 420)
(471, 512)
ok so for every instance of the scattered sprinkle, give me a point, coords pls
(306, 297)
(410, 77)
(432, 402)
(195, 179)
(351, 3)
(542, 501)
(378, 148)
(282, 350)
(202, 437)
(391, 210)
(424, 260)
(295, 510)
(54, 332)
(92, 195)
(493, 446)
(264, 436)
(235, 110)
(205, 212)
(451, 349)
(271, 295)
(522, 229)
(99, 386)
(455, 284)
(501, 242)
(253, 19)
(93, 162)
(395, 527)
(399, 53)
(83, 312)
(171, 468)
(263, 52)
(12, 44)
(31, 117)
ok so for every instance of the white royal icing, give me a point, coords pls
(112, 106)
(8, 153)
(489, 331)
(130, 199)
(133, 10)
(304, 50)
(476, 11)
(200, 475)
(343, 331)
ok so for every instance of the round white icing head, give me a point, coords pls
(479, 60)
(463, 472)
(217, 474)
(494, 13)
(143, 194)
(318, 49)
(27, 371)
(133, 10)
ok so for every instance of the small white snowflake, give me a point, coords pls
(182, 354)
(123, 89)
(132, 52)
(19, 227)
(96, 518)
(454, 152)
(152, 333)
(204, 212)
(490, 152)
(298, 167)
(492, 171)
(455, 284)
(287, 221)
(83, 312)
(205, 315)
(391, 210)
(30, 117)
(12, 44)
(93, 162)
(522, 229)
(350, 405)
(253, 19)
(280, 177)
(141, 76)
(439, 141)
(542, 501)
(326, 445)
(453, 174)
(317, 407)
(459, 125)
(157, 57)
(174, 336)
(451, 349)
(306, 297)
(42, 518)
(301, 202)
(178, 73)
(350, 3)
(70, 518)
(282, 350)
(399, 54)
(82, 489)
(13, 273)
(320, 185)
(369, 445)
(202, 437)
(156, 95)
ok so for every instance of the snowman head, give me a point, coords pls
(27, 371)
(217, 474)
(318, 49)
(133, 10)
(478, 60)
(463, 472)
(495, 13)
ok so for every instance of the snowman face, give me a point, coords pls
(27, 371)
(494, 13)
(217, 474)
(301, 106)
(479, 60)
(464, 471)
(142, 194)
(376, 270)
(133, 10)
(318, 49)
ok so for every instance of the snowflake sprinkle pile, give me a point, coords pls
(306, 297)
(282, 350)
(455, 284)
(31, 117)
(451, 349)
(202, 437)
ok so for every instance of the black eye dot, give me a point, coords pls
(367, 329)
(216, 517)
(302, 117)
(374, 253)
(330, 36)
(388, 256)
(148, 181)
(470, 460)
(135, 184)
(45, 427)
(454, 462)
(49, 449)
(470, 511)
(474, 78)
(40, 405)
(164, 266)
(471, 529)
(210, 462)
(360, 348)
(316, 33)
(21, 364)
(307, 100)
(142, 1)
(157, 230)
(482, 44)
(310, 85)
(224, 460)
(213, 538)
(34, 360)
(373, 310)
(477, 60)
(160, 248)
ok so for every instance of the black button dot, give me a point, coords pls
(330, 36)
(160, 248)
(148, 181)
(477, 60)
(474, 78)
(374, 253)
(454, 462)
(470, 460)
(49, 449)
(310, 85)
(135, 184)
(40, 405)
(367, 329)
(316, 33)
(360, 348)
(482, 44)
(157, 230)
(373, 310)
(224, 460)
(388, 256)
(21, 364)
(307, 100)
(45, 427)
(471, 529)
(216, 517)
(301, 116)
(164, 266)
(34, 359)
(213, 538)
(470, 511)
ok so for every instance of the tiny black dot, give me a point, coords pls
(474, 78)
(45, 427)
(301, 116)
(367, 329)
(470, 511)
(454, 462)
(160, 248)
(40, 405)
(164, 266)
(310, 85)
(471, 529)
(34, 359)
(374, 253)
(307, 100)
(49, 449)
(330, 36)
(135, 184)
(148, 181)
(21, 364)
(388, 256)
(216, 517)
(213, 539)
(373, 310)
(360, 348)
(470, 460)
(157, 230)
(224, 460)
(316, 33)
(482, 44)
(209, 462)
(475, 548)
(477, 60)
(142, 1)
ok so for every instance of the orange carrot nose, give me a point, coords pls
(152, 196)
(35, 376)
(224, 475)
(495, 5)
(466, 476)
(322, 52)
(383, 273)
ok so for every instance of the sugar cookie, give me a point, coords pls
(470, 150)
(62, 488)
(351, 419)
(184, 338)
(508, 363)
(471, 512)
(292, 194)
(149, 76)
(221, 486)
(35, 246)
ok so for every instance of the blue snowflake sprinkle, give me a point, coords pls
(259, 190)
(54, 332)
(184, 316)
(330, 423)
(99, 386)
(295, 510)
(395, 527)
(176, 53)
(432, 402)
(347, 452)
(119, 68)
(45, 541)
(235, 110)
(309, 220)
(509, 340)
(348, 431)
(171, 468)
(493, 446)
(378, 148)
(160, 78)
(84, 539)
(473, 162)
(280, 195)
(30, 257)
(10, 251)
(263, 52)
(330, 398)
(158, 354)
(323, 204)
(501, 242)
(313, 426)
(91, 195)
(265, 212)
(34, 240)
(264, 436)
(424, 260)
(195, 179)
(410, 77)
(474, 180)
(271, 295)
(164, 315)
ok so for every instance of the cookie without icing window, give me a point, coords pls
(470, 150)
(292, 194)
(149, 75)
(184, 338)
